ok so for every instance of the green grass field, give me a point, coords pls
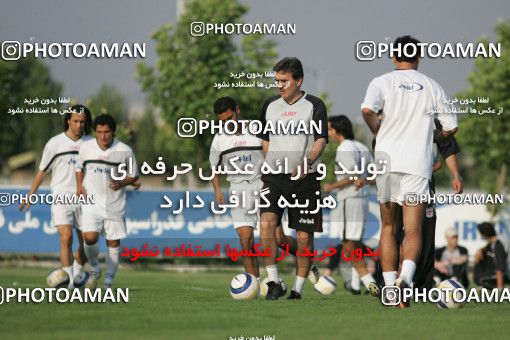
(170, 305)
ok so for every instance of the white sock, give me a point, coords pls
(77, 268)
(408, 269)
(298, 284)
(112, 264)
(389, 278)
(272, 272)
(92, 252)
(69, 271)
(355, 283)
(367, 279)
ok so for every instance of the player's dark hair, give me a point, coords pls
(79, 109)
(223, 104)
(342, 125)
(487, 229)
(105, 119)
(292, 65)
(406, 52)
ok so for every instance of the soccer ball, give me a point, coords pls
(81, 279)
(451, 299)
(58, 278)
(263, 286)
(326, 285)
(244, 287)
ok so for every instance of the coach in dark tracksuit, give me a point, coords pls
(423, 277)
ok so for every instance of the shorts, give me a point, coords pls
(240, 215)
(94, 221)
(66, 214)
(306, 189)
(350, 214)
(397, 186)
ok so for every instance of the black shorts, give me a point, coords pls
(305, 189)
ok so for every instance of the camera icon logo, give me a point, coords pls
(11, 50)
(411, 199)
(5, 199)
(390, 296)
(197, 28)
(187, 127)
(365, 50)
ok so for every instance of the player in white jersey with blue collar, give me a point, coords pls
(59, 157)
(97, 158)
(409, 101)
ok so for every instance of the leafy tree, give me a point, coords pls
(486, 138)
(182, 82)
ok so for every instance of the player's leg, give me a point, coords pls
(91, 249)
(66, 252)
(80, 258)
(334, 261)
(112, 262)
(303, 263)
(114, 231)
(247, 240)
(388, 244)
(268, 223)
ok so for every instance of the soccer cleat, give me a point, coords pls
(294, 295)
(348, 287)
(402, 284)
(313, 275)
(274, 290)
(374, 289)
(93, 279)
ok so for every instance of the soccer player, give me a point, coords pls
(298, 151)
(96, 161)
(246, 149)
(404, 139)
(491, 261)
(352, 203)
(451, 261)
(59, 156)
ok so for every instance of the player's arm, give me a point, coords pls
(344, 182)
(79, 183)
(372, 104)
(447, 119)
(371, 119)
(214, 158)
(453, 167)
(39, 178)
(218, 195)
(500, 257)
(131, 178)
(264, 136)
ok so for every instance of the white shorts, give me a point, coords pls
(94, 221)
(66, 214)
(350, 215)
(396, 186)
(240, 215)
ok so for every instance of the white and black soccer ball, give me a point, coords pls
(58, 278)
(453, 294)
(244, 287)
(81, 279)
(326, 285)
(263, 286)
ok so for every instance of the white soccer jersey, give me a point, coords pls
(60, 156)
(97, 164)
(406, 132)
(248, 149)
(350, 153)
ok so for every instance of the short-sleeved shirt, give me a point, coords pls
(60, 156)
(350, 154)
(246, 148)
(496, 255)
(410, 101)
(97, 164)
(293, 147)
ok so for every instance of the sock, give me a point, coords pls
(69, 271)
(77, 268)
(298, 284)
(355, 283)
(408, 269)
(272, 272)
(389, 278)
(112, 264)
(92, 252)
(367, 279)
